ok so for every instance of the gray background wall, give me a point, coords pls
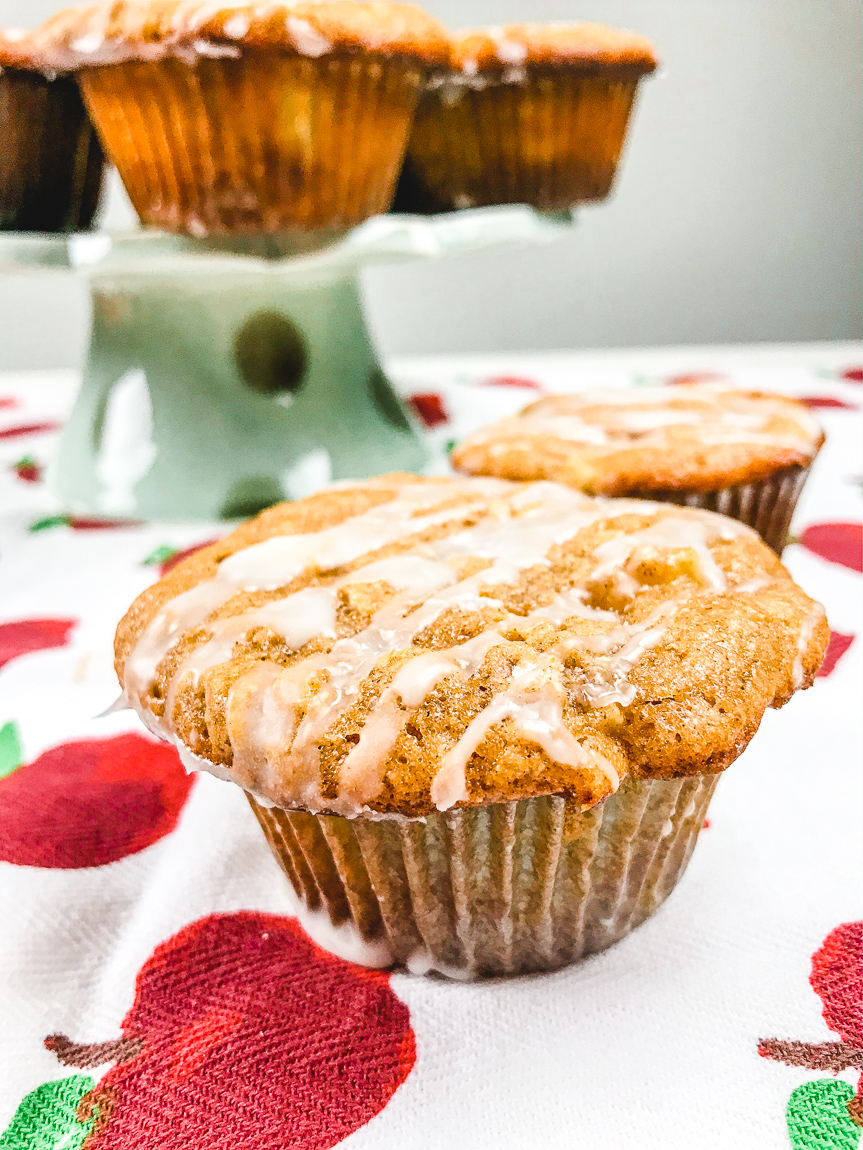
(736, 217)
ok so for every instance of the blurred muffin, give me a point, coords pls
(742, 453)
(527, 113)
(50, 160)
(479, 722)
(251, 117)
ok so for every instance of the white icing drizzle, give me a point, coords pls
(279, 718)
(615, 420)
(671, 532)
(308, 41)
(807, 629)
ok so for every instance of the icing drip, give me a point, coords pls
(806, 632)
(280, 718)
(672, 532)
(611, 421)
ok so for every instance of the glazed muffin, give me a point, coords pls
(745, 454)
(479, 722)
(250, 117)
(50, 160)
(528, 113)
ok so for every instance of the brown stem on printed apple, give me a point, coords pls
(832, 1056)
(855, 1108)
(85, 1056)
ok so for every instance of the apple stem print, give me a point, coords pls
(827, 1114)
(243, 1035)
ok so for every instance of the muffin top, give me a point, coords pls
(677, 438)
(17, 51)
(406, 644)
(111, 32)
(573, 45)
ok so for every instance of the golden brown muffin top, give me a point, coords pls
(17, 51)
(406, 644)
(640, 440)
(110, 32)
(586, 45)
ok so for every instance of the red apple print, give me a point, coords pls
(8, 401)
(512, 381)
(836, 648)
(826, 401)
(245, 1035)
(837, 979)
(92, 802)
(852, 374)
(26, 635)
(836, 542)
(429, 406)
(29, 429)
(27, 469)
(82, 523)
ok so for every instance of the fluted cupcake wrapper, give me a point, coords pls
(552, 139)
(767, 506)
(267, 142)
(50, 158)
(508, 888)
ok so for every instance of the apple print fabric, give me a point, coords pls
(157, 990)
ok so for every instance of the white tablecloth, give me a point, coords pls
(116, 867)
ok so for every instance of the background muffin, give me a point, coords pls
(50, 159)
(479, 721)
(527, 113)
(249, 117)
(745, 454)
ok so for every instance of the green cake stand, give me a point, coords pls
(223, 377)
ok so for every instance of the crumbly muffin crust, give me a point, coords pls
(651, 439)
(403, 645)
(111, 32)
(586, 46)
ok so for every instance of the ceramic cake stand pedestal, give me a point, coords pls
(223, 379)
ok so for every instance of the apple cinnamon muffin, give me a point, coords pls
(525, 113)
(745, 454)
(251, 117)
(50, 160)
(479, 721)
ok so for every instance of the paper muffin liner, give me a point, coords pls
(50, 158)
(508, 888)
(266, 142)
(551, 140)
(766, 506)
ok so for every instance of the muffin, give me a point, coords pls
(50, 160)
(251, 117)
(528, 113)
(745, 454)
(479, 722)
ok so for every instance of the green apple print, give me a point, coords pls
(827, 1114)
(51, 1117)
(817, 1116)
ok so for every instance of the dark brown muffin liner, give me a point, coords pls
(508, 888)
(267, 142)
(766, 506)
(50, 158)
(552, 140)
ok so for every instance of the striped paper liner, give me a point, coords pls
(552, 140)
(266, 142)
(508, 888)
(50, 159)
